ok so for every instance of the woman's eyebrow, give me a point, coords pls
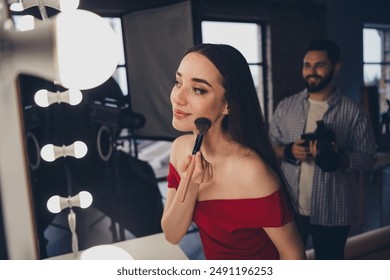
(198, 80)
(203, 81)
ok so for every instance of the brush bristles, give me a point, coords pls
(202, 124)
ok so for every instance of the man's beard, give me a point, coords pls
(323, 82)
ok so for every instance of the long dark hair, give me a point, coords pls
(245, 122)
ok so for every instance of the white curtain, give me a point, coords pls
(155, 41)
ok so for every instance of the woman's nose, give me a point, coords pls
(178, 96)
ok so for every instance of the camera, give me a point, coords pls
(112, 113)
(327, 157)
(308, 137)
(112, 116)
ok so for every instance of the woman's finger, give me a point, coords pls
(186, 163)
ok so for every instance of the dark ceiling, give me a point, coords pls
(120, 7)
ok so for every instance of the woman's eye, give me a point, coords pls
(176, 83)
(198, 90)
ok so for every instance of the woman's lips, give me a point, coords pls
(180, 114)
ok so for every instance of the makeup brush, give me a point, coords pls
(202, 124)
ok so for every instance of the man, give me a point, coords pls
(325, 190)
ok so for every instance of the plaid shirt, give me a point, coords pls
(334, 195)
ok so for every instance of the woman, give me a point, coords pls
(237, 196)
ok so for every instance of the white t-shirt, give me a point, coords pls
(316, 112)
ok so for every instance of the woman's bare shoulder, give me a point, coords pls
(181, 146)
(182, 142)
(255, 176)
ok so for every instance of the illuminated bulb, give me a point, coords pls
(80, 149)
(53, 204)
(105, 252)
(78, 49)
(16, 7)
(99, 57)
(50, 152)
(75, 96)
(41, 98)
(56, 203)
(68, 5)
(60, 5)
(45, 98)
(85, 199)
(47, 153)
(25, 23)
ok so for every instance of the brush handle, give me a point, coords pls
(198, 144)
(187, 179)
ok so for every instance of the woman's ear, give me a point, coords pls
(226, 110)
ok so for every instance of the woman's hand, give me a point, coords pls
(203, 171)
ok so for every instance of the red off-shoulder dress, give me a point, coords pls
(233, 228)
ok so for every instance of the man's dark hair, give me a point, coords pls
(327, 45)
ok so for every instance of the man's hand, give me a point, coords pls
(300, 152)
(313, 148)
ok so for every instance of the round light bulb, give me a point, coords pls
(87, 49)
(75, 96)
(105, 252)
(80, 149)
(47, 153)
(41, 98)
(85, 199)
(69, 5)
(16, 7)
(25, 23)
(53, 204)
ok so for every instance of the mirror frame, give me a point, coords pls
(17, 211)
